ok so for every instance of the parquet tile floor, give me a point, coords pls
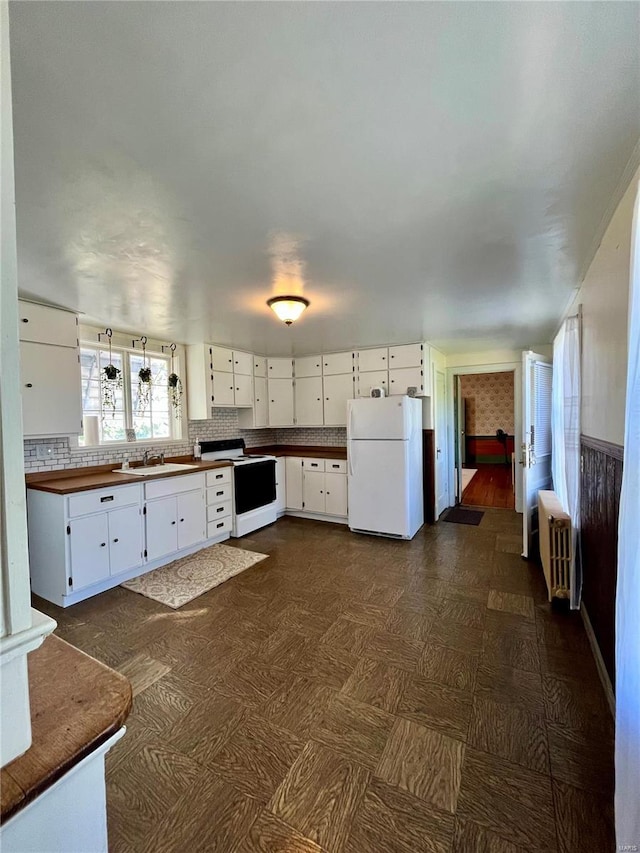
(357, 694)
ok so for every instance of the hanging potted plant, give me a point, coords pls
(110, 380)
(174, 384)
(144, 378)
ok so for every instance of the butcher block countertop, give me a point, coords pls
(101, 476)
(314, 451)
(77, 703)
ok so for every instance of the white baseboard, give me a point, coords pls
(317, 516)
(602, 669)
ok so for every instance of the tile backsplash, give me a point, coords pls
(223, 424)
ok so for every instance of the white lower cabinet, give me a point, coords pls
(192, 518)
(89, 550)
(317, 486)
(161, 527)
(335, 490)
(313, 491)
(175, 514)
(294, 482)
(281, 484)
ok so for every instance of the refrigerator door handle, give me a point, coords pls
(350, 457)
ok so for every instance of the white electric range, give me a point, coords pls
(254, 483)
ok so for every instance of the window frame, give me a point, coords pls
(176, 424)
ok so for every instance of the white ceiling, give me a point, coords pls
(436, 170)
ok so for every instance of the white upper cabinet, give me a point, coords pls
(373, 359)
(400, 381)
(408, 355)
(260, 402)
(308, 399)
(44, 325)
(308, 365)
(337, 362)
(280, 368)
(259, 365)
(337, 390)
(221, 359)
(281, 409)
(243, 389)
(372, 379)
(243, 363)
(222, 389)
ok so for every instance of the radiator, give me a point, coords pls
(555, 544)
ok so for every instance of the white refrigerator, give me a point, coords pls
(384, 453)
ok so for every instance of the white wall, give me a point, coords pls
(495, 357)
(604, 296)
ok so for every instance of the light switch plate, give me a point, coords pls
(44, 451)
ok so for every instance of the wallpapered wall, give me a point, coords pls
(489, 402)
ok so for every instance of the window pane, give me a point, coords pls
(102, 398)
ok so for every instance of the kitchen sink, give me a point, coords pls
(149, 470)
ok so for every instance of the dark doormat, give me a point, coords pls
(459, 515)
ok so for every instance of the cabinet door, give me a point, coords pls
(280, 402)
(44, 325)
(337, 362)
(161, 527)
(89, 550)
(125, 539)
(309, 410)
(337, 390)
(335, 486)
(408, 355)
(373, 359)
(313, 491)
(243, 390)
(261, 410)
(400, 380)
(223, 393)
(222, 359)
(51, 390)
(243, 363)
(293, 467)
(191, 518)
(308, 365)
(279, 368)
(259, 365)
(281, 488)
(374, 379)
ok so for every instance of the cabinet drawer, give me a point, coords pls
(221, 525)
(173, 486)
(336, 466)
(218, 476)
(310, 464)
(99, 500)
(218, 494)
(218, 512)
(44, 325)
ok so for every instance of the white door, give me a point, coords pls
(261, 410)
(51, 392)
(337, 390)
(280, 402)
(243, 389)
(243, 363)
(313, 491)
(293, 467)
(383, 418)
(281, 488)
(222, 359)
(89, 550)
(191, 518)
(309, 409)
(335, 486)
(161, 527)
(536, 440)
(407, 355)
(373, 379)
(379, 486)
(223, 394)
(373, 359)
(442, 480)
(460, 442)
(337, 362)
(125, 539)
(408, 377)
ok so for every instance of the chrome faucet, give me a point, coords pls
(157, 459)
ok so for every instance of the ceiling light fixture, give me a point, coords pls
(288, 308)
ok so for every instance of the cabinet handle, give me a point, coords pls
(173, 522)
(116, 540)
(335, 466)
(318, 399)
(321, 492)
(29, 385)
(103, 544)
(182, 519)
(25, 320)
(219, 476)
(220, 509)
(106, 499)
(219, 493)
(326, 398)
(221, 524)
(327, 493)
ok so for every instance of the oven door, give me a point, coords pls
(255, 485)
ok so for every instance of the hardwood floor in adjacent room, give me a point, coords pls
(357, 694)
(490, 486)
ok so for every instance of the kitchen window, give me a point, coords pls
(151, 417)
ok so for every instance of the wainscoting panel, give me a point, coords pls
(600, 503)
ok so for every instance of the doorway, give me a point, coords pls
(485, 430)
